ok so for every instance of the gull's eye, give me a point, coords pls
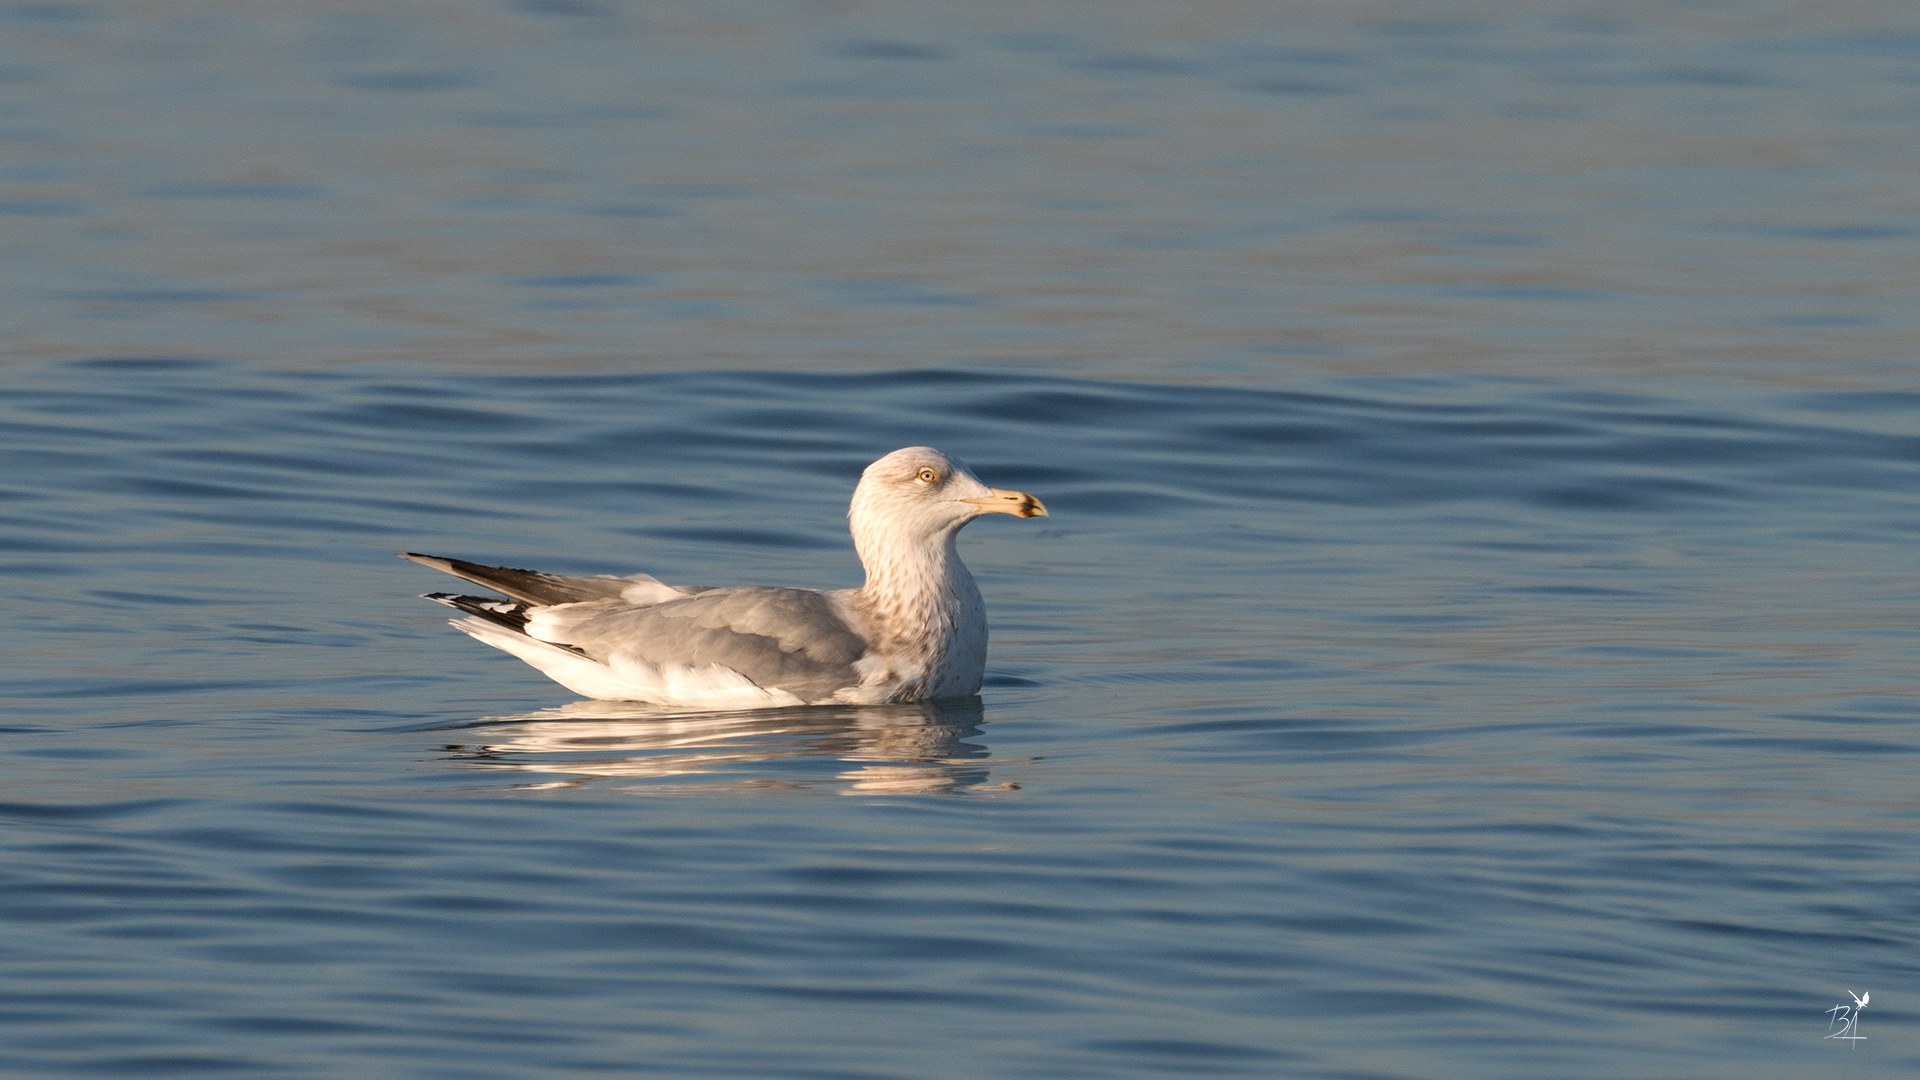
(928, 476)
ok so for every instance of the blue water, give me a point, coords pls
(1474, 636)
(1199, 190)
(1418, 727)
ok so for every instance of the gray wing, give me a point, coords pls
(792, 639)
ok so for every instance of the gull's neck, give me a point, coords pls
(926, 611)
(914, 579)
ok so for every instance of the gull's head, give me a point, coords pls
(920, 491)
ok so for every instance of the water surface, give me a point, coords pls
(1474, 637)
(1411, 728)
(1211, 190)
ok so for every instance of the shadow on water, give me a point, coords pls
(658, 750)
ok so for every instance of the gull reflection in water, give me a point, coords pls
(856, 750)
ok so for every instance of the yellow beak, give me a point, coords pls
(1017, 503)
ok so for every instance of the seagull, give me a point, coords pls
(916, 631)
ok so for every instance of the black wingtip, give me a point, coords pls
(508, 613)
